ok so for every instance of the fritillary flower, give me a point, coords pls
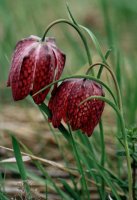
(65, 104)
(35, 64)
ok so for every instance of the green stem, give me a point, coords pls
(103, 156)
(115, 82)
(101, 67)
(77, 29)
(122, 123)
(83, 180)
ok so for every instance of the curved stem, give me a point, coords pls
(79, 76)
(115, 82)
(77, 29)
(122, 123)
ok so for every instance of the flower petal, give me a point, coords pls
(60, 62)
(21, 50)
(87, 115)
(96, 109)
(60, 59)
(44, 72)
(78, 114)
(21, 83)
(19, 68)
(59, 101)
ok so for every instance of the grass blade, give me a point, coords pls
(83, 179)
(95, 41)
(21, 166)
(69, 190)
(3, 197)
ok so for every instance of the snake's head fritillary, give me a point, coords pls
(65, 104)
(35, 64)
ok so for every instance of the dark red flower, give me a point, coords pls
(65, 104)
(35, 64)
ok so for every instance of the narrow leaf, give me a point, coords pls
(69, 190)
(95, 41)
(21, 166)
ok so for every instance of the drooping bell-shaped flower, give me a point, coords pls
(65, 104)
(35, 64)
